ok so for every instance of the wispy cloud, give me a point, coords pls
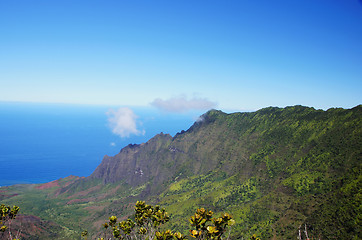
(182, 104)
(123, 122)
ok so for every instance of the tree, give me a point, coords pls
(207, 227)
(8, 214)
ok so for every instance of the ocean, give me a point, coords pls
(43, 142)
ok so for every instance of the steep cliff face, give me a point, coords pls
(135, 164)
(164, 158)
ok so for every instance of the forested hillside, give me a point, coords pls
(274, 170)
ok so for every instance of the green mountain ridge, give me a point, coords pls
(273, 169)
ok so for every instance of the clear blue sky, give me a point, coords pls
(237, 55)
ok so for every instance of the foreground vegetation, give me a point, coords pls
(148, 220)
(8, 214)
(273, 170)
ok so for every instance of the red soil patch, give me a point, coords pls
(85, 192)
(31, 227)
(51, 184)
(57, 183)
(2, 196)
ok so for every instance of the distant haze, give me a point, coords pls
(182, 104)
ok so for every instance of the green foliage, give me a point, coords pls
(169, 235)
(254, 237)
(84, 234)
(262, 154)
(148, 219)
(242, 193)
(344, 206)
(8, 214)
(305, 182)
(200, 221)
(146, 224)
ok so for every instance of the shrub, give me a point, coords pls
(7, 216)
(148, 219)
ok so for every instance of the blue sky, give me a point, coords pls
(175, 55)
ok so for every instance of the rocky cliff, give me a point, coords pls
(136, 164)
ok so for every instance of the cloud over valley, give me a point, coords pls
(123, 122)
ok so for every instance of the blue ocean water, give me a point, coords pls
(44, 142)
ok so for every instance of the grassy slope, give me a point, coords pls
(273, 169)
(295, 165)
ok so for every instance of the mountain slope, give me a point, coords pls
(273, 169)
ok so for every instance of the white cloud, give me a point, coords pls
(123, 122)
(182, 104)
